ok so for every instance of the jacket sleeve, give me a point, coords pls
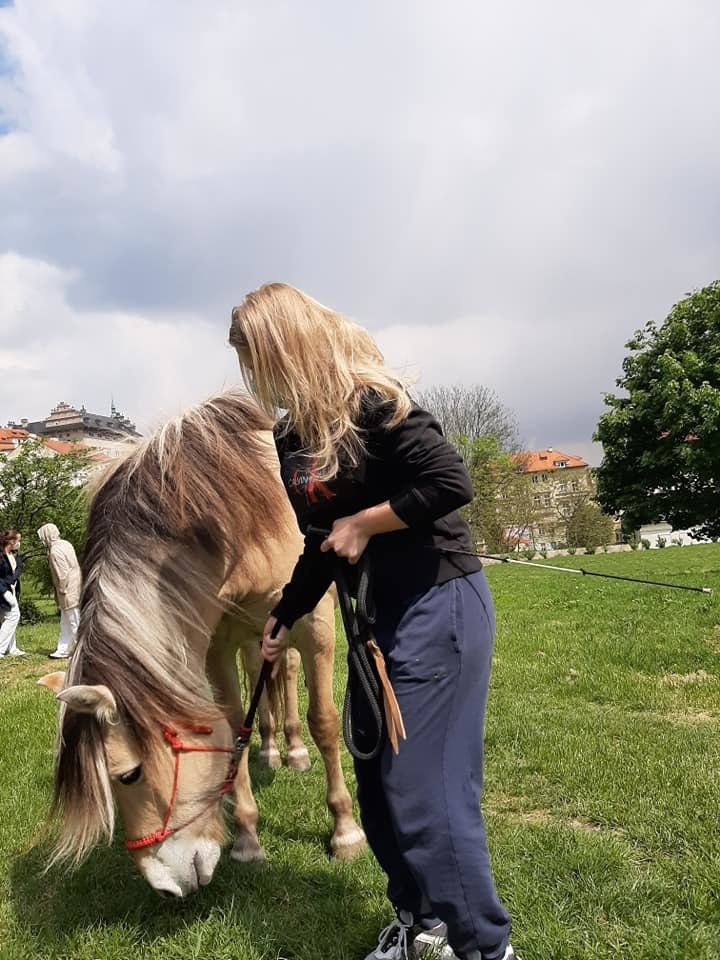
(312, 575)
(61, 569)
(7, 578)
(309, 583)
(437, 480)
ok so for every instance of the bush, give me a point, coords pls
(645, 543)
(677, 541)
(529, 553)
(572, 551)
(30, 612)
(661, 542)
(543, 554)
(590, 549)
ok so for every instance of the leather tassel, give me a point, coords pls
(393, 717)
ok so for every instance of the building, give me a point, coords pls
(557, 483)
(67, 423)
(11, 441)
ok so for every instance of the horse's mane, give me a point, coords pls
(168, 524)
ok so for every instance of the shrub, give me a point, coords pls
(661, 542)
(645, 543)
(572, 551)
(30, 612)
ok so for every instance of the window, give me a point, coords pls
(541, 531)
(575, 485)
(536, 500)
(560, 464)
(535, 478)
(562, 487)
(546, 500)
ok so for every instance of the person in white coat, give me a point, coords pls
(67, 580)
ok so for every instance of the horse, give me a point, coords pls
(190, 539)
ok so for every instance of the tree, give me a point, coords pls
(502, 507)
(661, 440)
(588, 526)
(472, 413)
(36, 488)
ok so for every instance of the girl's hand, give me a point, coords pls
(348, 538)
(273, 647)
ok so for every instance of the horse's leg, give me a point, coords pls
(221, 668)
(316, 642)
(298, 757)
(268, 753)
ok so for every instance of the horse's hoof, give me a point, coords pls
(270, 758)
(246, 852)
(298, 759)
(348, 845)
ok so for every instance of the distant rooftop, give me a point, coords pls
(66, 422)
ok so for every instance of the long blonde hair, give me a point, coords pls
(299, 355)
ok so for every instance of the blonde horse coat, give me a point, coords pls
(190, 540)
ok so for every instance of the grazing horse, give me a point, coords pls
(190, 540)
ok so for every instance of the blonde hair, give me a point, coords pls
(304, 357)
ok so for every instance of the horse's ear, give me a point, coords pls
(96, 700)
(53, 681)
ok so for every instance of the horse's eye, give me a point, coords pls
(132, 776)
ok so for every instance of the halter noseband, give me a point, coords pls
(179, 746)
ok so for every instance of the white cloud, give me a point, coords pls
(153, 365)
(502, 191)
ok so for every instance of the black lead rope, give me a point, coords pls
(358, 620)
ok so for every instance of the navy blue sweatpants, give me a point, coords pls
(421, 809)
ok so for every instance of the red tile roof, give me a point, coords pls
(9, 433)
(67, 446)
(533, 461)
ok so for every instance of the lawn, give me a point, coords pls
(603, 768)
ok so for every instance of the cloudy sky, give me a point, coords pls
(501, 191)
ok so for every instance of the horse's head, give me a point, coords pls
(168, 788)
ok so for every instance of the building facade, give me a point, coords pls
(557, 484)
(68, 423)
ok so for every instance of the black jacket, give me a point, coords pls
(425, 480)
(8, 577)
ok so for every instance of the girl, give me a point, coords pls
(360, 459)
(10, 568)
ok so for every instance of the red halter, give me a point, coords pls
(178, 748)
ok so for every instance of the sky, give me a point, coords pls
(501, 192)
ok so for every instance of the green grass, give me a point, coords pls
(602, 783)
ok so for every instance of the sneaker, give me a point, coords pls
(432, 944)
(58, 655)
(393, 940)
(17, 653)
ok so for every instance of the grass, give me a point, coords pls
(603, 766)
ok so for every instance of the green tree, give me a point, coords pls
(588, 526)
(36, 488)
(502, 502)
(661, 438)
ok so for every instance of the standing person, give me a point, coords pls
(67, 580)
(10, 569)
(359, 458)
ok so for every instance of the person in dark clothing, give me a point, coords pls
(360, 459)
(10, 570)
